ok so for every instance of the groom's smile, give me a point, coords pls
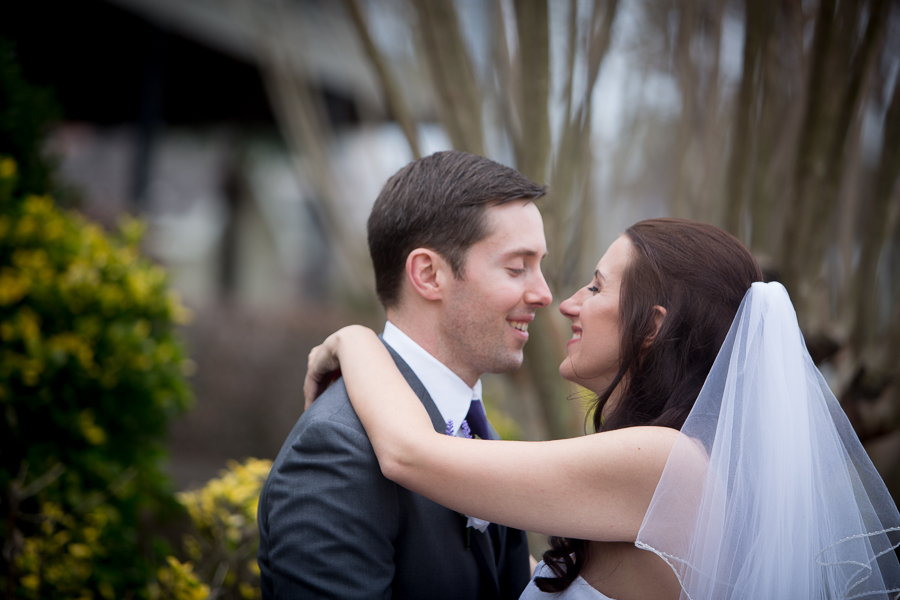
(520, 326)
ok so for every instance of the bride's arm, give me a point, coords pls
(595, 487)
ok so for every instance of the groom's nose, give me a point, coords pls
(538, 293)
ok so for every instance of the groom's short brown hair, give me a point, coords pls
(437, 202)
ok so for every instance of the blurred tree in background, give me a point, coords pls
(780, 122)
(91, 372)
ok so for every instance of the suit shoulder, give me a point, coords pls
(333, 406)
(327, 433)
(330, 422)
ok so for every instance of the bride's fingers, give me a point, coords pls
(309, 391)
(326, 382)
(322, 369)
(310, 382)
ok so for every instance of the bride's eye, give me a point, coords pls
(593, 288)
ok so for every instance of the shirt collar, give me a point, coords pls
(450, 393)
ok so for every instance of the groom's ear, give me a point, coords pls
(426, 271)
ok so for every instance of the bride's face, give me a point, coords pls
(592, 355)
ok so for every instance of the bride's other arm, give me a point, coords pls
(595, 487)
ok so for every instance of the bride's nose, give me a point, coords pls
(571, 306)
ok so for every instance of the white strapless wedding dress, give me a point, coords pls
(579, 590)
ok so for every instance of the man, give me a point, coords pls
(456, 243)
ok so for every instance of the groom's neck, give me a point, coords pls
(424, 330)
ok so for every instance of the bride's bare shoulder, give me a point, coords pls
(662, 433)
(648, 446)
(630, 450)
(656, 437)
(665, 440)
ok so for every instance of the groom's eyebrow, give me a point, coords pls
(523, 252)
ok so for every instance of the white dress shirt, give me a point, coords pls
(451, 395)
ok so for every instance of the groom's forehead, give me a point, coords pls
(514, 227)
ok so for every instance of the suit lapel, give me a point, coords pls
(436, 419)
(482, 547)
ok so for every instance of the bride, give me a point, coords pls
(722, 466)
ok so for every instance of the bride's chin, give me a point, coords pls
(565, 370)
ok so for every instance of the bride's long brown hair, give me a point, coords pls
(699, 274)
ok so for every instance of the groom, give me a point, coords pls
(456, 243)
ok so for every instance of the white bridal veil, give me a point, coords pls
(768, 493)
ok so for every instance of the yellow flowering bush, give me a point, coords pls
(226, 537)
(61, 554)
(91, 372)
(177, 581)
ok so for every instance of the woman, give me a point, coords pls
(641, 511)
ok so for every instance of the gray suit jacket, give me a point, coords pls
(332, 526)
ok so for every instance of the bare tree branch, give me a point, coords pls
(457, 91)
(395, 101)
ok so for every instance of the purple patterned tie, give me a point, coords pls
(477, 420)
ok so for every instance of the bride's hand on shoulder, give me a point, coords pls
(323, 367)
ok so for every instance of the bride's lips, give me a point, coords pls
(576, 335)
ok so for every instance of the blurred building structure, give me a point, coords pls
(166, 115)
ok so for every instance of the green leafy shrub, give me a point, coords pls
(26, 113)
(91, 372)
(226, 536)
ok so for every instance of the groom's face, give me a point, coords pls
(486, 313)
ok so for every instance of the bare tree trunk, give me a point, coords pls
(507, 76)
(876, 229)
(569, 225)
(782, 113)
(810, 164)
(842, 164)
(394, 99)
(774, 129)
(682, 199)
(711, 126)
(759, 27)
(533, 150)
(456, 89)
(532, 147)
(827, 129)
